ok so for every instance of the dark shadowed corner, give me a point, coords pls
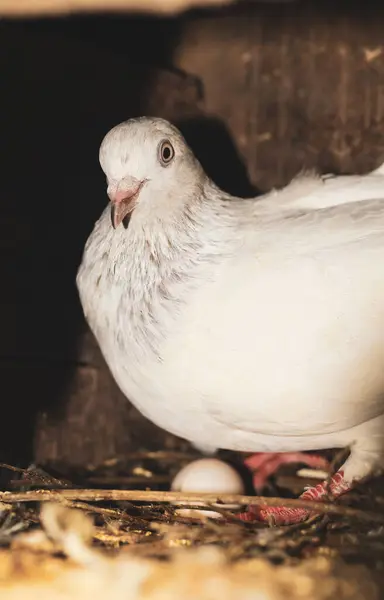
(212, 143)
(65, 82)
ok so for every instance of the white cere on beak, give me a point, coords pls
(208, 475)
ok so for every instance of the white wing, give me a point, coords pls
(288, 336)
(310, 191)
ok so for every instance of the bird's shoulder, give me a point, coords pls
(312, 214)
(311, 191)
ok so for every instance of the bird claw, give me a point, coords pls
(264, 464)
(275, 515)
(281, 515)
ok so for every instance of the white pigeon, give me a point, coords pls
(251, 325)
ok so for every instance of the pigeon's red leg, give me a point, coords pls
(264, 464)
(280, 515)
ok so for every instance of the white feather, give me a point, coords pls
(252, 325)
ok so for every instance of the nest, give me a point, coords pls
(92, 536)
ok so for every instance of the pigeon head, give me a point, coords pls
(149, 168)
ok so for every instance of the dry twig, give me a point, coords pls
(99, 495)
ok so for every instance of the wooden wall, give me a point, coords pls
(297, 85)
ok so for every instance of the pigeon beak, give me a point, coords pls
(124, 199)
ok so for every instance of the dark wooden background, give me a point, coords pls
(261, 92)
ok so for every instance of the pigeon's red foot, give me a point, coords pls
(275, 515)
(280, 515)
(264, 464)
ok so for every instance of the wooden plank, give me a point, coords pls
(312, 85)
(26, 8)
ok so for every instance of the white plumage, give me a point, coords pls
(252, 325)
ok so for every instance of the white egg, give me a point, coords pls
(208, 475)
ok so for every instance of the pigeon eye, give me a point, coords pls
(166, 153)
